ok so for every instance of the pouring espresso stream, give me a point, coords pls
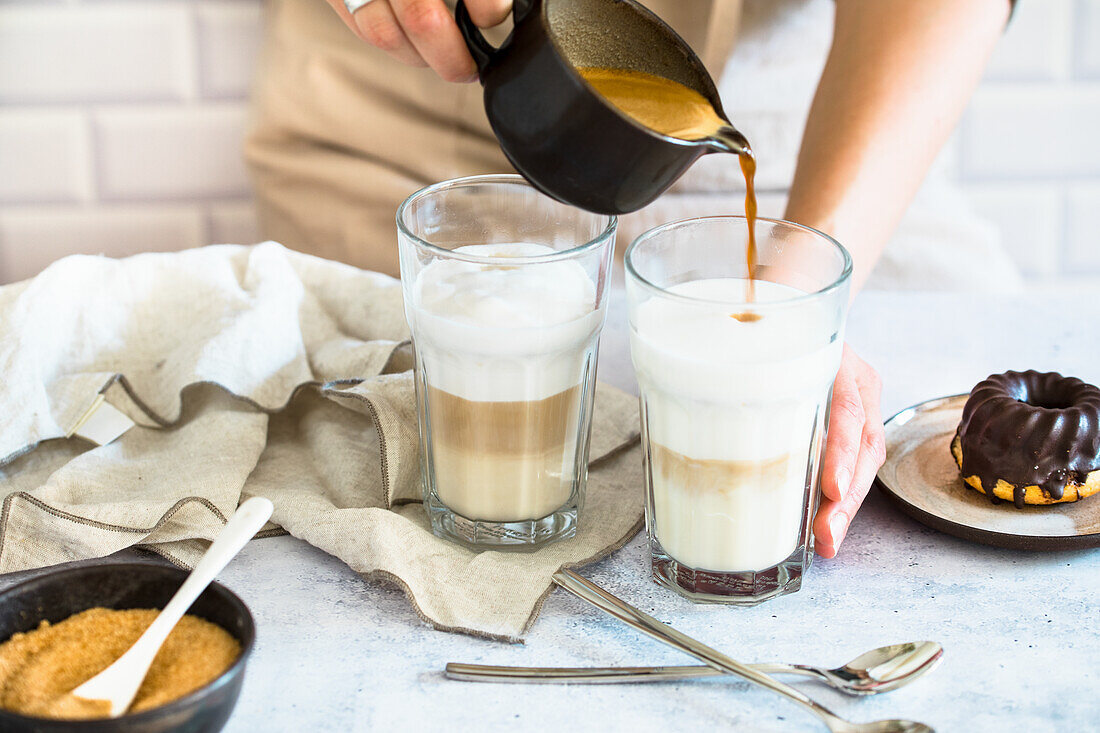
(675, 110)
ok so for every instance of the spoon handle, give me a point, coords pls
(249, 518)
(588, 591)
(119, 683)
(595, 675)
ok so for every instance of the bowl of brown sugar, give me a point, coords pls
(60, 629)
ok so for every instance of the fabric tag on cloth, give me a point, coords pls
(101, 423)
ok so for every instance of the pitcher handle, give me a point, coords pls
(482, 51)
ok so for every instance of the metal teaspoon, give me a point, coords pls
(879, 670)
(588, 591)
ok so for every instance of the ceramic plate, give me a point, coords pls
(920, 475)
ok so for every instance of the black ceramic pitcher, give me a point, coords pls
(557, 130)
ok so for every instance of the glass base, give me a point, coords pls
(736, 588)
(524, 535)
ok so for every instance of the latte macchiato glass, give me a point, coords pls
(735, 392)
(505, 294)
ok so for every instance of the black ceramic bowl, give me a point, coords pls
(56, 596)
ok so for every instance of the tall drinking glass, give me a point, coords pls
(505, 294)
(735, 395)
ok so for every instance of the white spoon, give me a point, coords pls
(119, 683)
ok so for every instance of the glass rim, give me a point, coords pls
(510, 178)
(632, 272)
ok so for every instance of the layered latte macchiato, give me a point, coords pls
(504, 351)
(732, 409)
(735, 376)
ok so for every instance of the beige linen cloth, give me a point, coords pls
(255, 371)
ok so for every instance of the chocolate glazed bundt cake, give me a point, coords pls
(1030, 438)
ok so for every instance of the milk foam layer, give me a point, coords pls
(500, 332)
(746, 401)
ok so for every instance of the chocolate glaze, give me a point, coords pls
(1030, 429)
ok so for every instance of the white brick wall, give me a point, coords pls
(1020, 132)
(1083, 228)
(1034, 47)
(35, 236)
(44, 156)
(229, 37)
(1087, 60)
(1028, 148)
(1031, 216)
(121, 124)
(170, 153)
(96, 52)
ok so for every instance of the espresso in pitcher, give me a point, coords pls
(676, 110)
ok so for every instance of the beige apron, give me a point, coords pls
(341, 134)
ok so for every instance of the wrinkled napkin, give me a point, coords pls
(256, 371)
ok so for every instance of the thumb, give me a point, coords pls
(488, 13)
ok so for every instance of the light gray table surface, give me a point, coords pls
(335, 652)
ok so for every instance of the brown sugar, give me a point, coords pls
(39, 668)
